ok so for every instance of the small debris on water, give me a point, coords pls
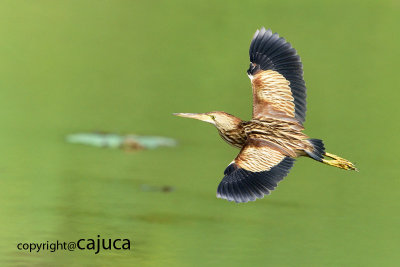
(152, 188)
(126, 142)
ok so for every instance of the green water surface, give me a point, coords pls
(125, 66)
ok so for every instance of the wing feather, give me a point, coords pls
(255, 172)
(274, 59)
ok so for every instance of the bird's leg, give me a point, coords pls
(339, 162)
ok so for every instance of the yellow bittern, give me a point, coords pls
(273, 138)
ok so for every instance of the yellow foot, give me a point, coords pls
(339, 162)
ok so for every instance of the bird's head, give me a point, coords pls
(220, 119)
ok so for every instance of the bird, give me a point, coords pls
(270, 142)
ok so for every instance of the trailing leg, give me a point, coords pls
(318, 153)
(339, 162)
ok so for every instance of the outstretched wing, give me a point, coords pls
(276, 74)
(255, 172)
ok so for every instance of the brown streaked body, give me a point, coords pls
(274, 137)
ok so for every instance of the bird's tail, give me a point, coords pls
(318, 153)
(318, 149)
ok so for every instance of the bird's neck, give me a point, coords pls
(233, 134)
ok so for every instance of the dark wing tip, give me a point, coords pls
(268, 51)
(241, 185)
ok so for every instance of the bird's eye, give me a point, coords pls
(212, 117)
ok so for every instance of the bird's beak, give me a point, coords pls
(197, 116)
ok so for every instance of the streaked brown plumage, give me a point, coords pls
(271, 140)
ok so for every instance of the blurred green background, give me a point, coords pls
(125, 66)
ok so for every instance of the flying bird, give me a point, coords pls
(273, 138)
